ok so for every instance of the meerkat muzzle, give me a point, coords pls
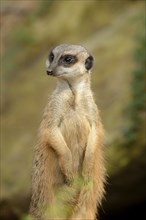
(50, 72)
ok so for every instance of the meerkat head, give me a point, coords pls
(67, 61)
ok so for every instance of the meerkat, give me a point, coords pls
(68, 175)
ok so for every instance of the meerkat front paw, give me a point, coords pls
(87, 178)
(69, 178)
(87, 173)
(66, 165)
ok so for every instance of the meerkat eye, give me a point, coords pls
(51, 57)
(68, 59)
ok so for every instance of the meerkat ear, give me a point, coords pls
(89, 62)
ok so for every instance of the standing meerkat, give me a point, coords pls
(68, 172)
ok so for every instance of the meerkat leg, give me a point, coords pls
(86, 206)
(93, 173)
(54, 138)
(93, 169)
(87, 169)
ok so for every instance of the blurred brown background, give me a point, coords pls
(114, 32)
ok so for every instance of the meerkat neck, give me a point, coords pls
(76, 85)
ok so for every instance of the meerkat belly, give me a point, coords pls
(75, 130)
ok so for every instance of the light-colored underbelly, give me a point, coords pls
(75, 129)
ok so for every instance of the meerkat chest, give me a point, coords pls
(75, 127)
(75, 121)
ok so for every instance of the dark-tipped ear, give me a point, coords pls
(89, 62)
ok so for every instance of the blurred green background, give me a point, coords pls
(114, 32)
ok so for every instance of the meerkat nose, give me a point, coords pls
(49, 72)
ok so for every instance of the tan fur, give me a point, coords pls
(68, 173)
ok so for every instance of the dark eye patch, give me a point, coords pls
(89, 62)
(51, 57)
(67, 60)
